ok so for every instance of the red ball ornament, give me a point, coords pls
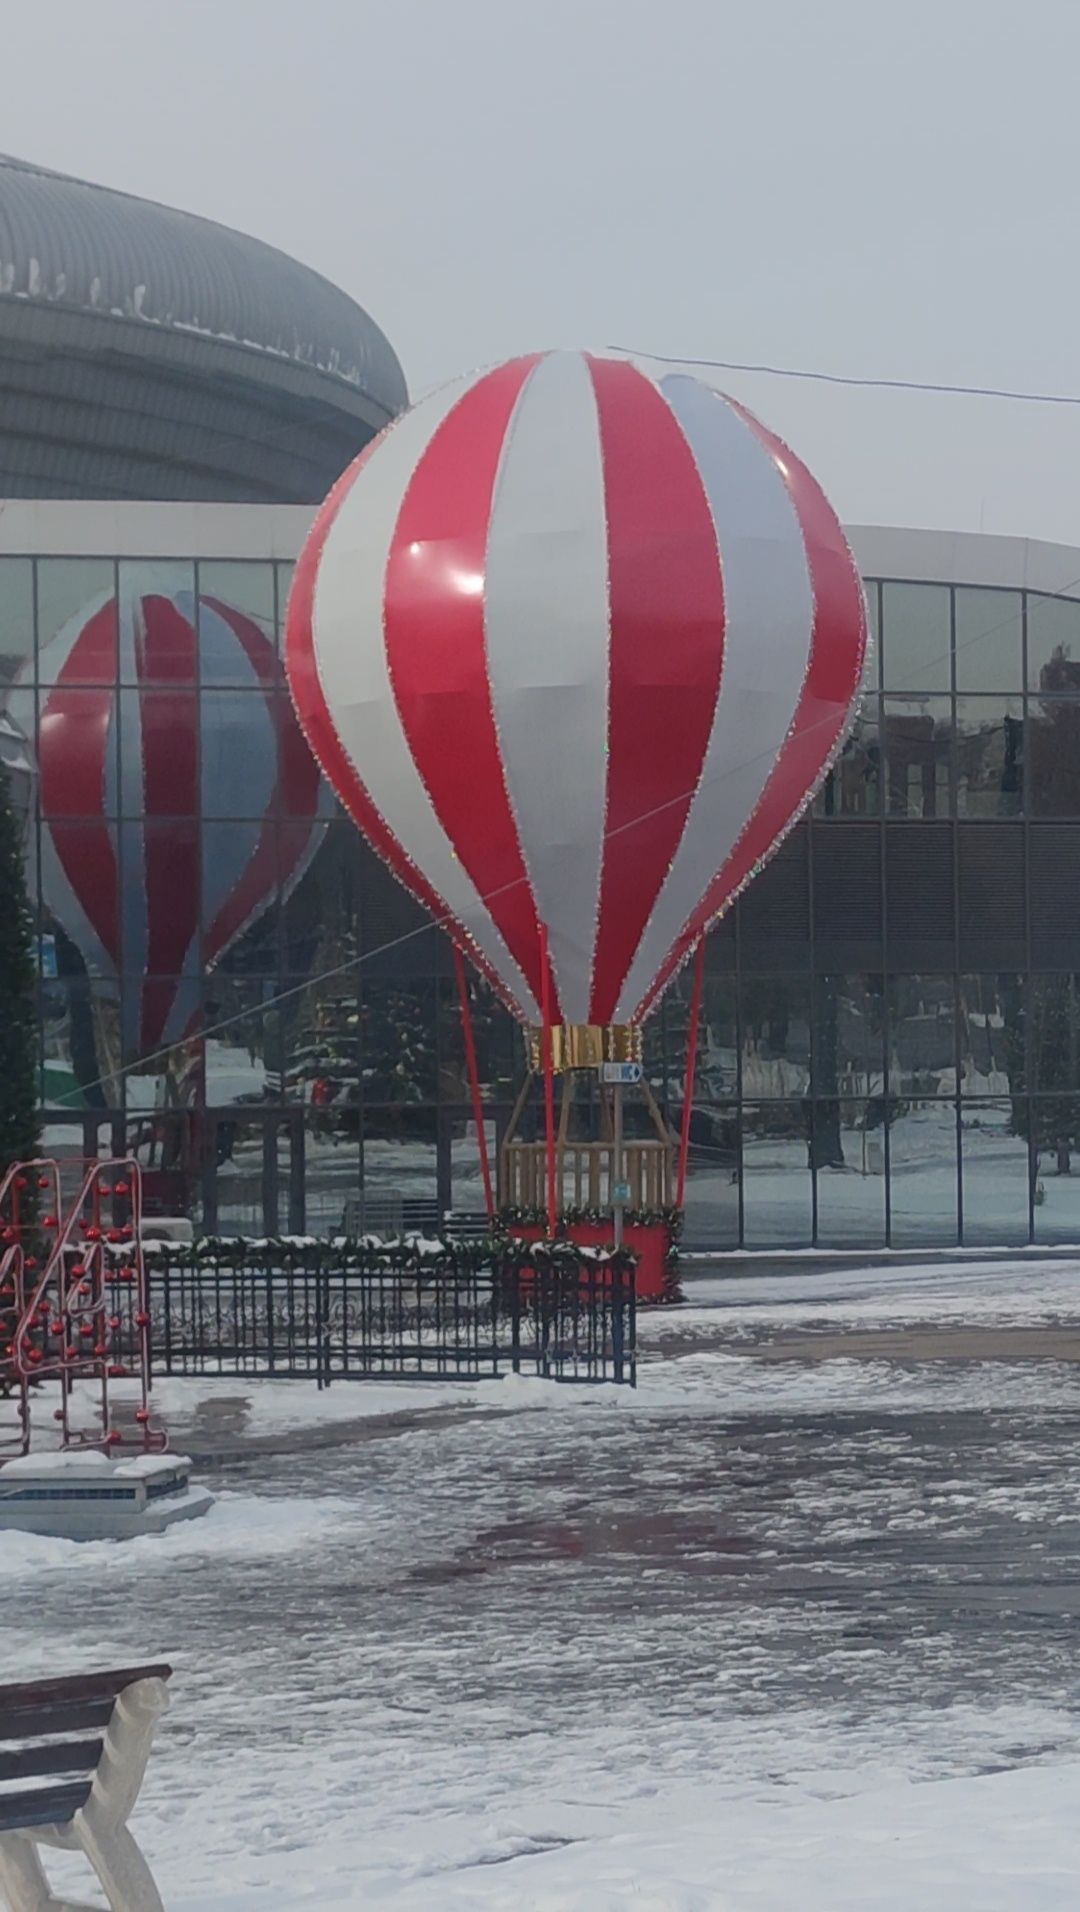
(70, 1353)
(142, 1415)
(114, 1437)
(10, 1234)
(58, 1413)
(117, 1373)
(100, 1349)
(122, 1188)
(43, 1181)
(103, 1188)
(79, 1269)
(35, 1355)
(142, 1320)
(115, 1234)
(85, 1288)
(31, 1261)
(20, 1181)
(87, 1329)
(114, 1321)
(49, 1221)
(92, 1231)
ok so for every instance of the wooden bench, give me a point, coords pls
(72, 1757)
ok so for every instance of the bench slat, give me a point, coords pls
(73, 1686)
(39, 1722)
(44, 1806)
(57, 1756)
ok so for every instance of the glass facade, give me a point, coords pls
(233, 986)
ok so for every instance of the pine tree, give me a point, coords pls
(18, 1072)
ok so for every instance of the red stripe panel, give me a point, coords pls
(834, 672)
(667, 642)
(75, 734)
(436, 653)
(311, 708)
(166, 654)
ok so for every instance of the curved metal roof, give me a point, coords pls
(78, 247)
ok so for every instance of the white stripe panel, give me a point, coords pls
(547, 633)
(350, 655)
(768, 625)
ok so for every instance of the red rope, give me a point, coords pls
(548, 1055)
(691, 1070)
(474, 1079)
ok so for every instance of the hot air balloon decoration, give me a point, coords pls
(575, 640)
(150, 898)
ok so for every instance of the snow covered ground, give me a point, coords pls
(758, 1638)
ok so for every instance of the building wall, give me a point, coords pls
(892, 1011)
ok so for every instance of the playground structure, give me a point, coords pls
(72, 1292)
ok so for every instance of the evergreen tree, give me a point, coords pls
(18, 1072)
(18, 1040)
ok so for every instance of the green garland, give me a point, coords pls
(404, 1255)
(669, 1218)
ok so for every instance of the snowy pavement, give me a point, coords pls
(758, 1637)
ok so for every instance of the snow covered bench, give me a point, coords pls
(85, 1742)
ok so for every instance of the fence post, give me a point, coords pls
(515, 1315)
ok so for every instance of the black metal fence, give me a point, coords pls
(335, 1314)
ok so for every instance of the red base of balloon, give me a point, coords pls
(651, 1242)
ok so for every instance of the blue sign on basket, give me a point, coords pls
(620, 1194)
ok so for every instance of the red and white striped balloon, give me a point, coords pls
(575, 642)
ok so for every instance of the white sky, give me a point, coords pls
(869, 188)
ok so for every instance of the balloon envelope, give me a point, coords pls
(575, 643)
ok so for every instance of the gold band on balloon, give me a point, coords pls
(585, 1045)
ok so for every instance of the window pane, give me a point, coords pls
(873, 611)
(1055, 1124)
(500, 1052)
(918, 735)
(1053, 643)
(712, 1187)
(992, 1035)
(989, 640)
(989, 756)
(241, 594)
(849, 1036)
(915, 636)
(853, 787)
(775, 1035)
(923, 1172)
(243, 1055)
(1055, 1032)
(398, 1041)
(238, 891)
(238, 769)
(320, 926)
(158, 642)
(994, 1156)
(850, 1153)
(399, 1162)
(1054, 757)
(776, 1149)
(78, 763)
(81, 1034)
(16, 618)
(77, 620)
(331, 1175)
(80, 904)
(284, 586)
(922, 1033)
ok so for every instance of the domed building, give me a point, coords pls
(233, 988)
(150, 354)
